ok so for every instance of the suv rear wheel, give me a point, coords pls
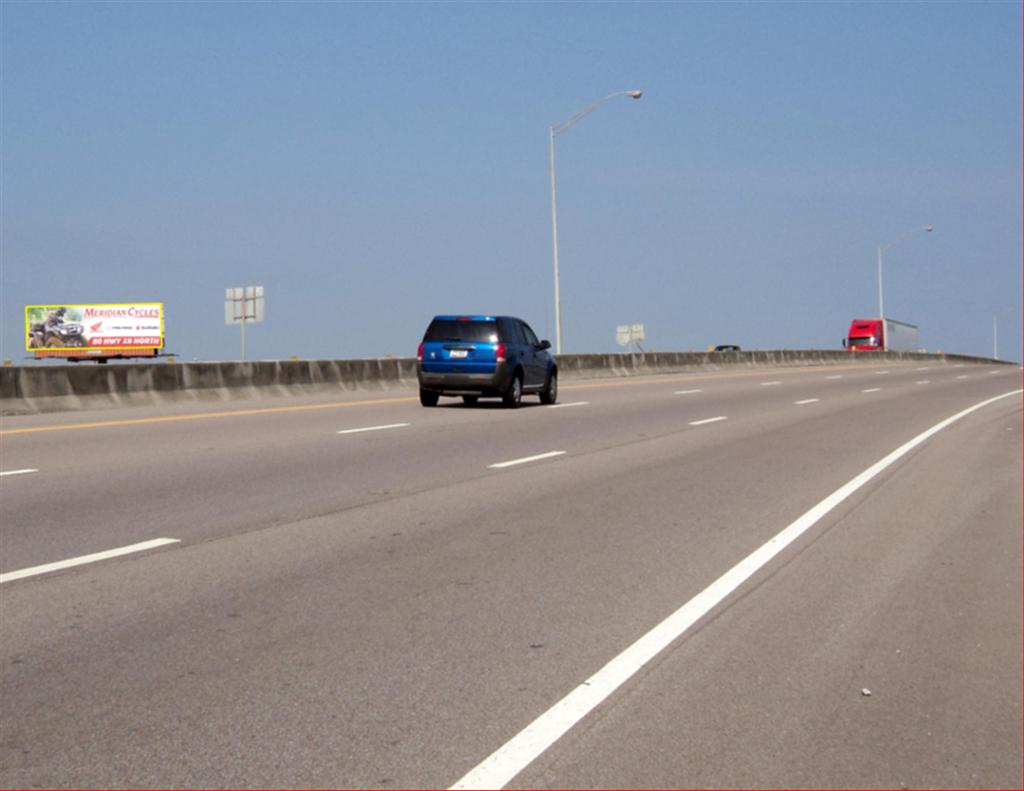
(550, 392)
(514, 395)
(428, 397)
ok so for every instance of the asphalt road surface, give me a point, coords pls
(802, 578)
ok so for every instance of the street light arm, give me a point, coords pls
(901, 237)
(557, 129)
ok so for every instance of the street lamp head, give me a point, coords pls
(928, 228)
(635, 94)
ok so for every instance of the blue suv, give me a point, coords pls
(474, 356)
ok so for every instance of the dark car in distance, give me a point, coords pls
(475, 356)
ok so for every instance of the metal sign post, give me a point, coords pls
(242, 305)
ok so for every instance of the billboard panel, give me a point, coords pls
(115, 328)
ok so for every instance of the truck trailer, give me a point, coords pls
(881, 335)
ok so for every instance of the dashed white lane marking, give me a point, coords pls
(84, 559)
(924, 382)
(686, 392)
(993, 373)
(871, 390)
(807, 401)
(835, 376)
(498, 769)
(571, 403)
(881, 373)
(17, 472)
(922, 369)
(962, 376)
(708, 420)
(374, 428)
(514, 462)
(769, 384)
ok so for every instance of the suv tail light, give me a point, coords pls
(499, 353)
(419, 353)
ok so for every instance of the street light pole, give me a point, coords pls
(881, 308)
(554, 130)
(554, 245)
(881, 247)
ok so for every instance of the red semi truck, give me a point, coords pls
(881, 335)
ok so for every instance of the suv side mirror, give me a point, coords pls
(544, 345)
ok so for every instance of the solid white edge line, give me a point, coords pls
(518, 753)
(538, 457)
(686, 392)
(871, 390)
(16, 472)
(84, 559)
(708, 420)
(571, 403)
(769, 384)
(807, 401)
(835, 376)
(374, 428)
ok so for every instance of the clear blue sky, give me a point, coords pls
(373, 164)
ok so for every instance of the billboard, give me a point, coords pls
(122, 327)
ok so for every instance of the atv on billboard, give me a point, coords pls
(117, 329)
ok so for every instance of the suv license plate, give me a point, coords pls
(459, 354)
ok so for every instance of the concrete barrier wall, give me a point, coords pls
(33, 389)
(590, 365)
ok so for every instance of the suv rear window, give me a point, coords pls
(462, 331)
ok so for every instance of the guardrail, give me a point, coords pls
(33, 389)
